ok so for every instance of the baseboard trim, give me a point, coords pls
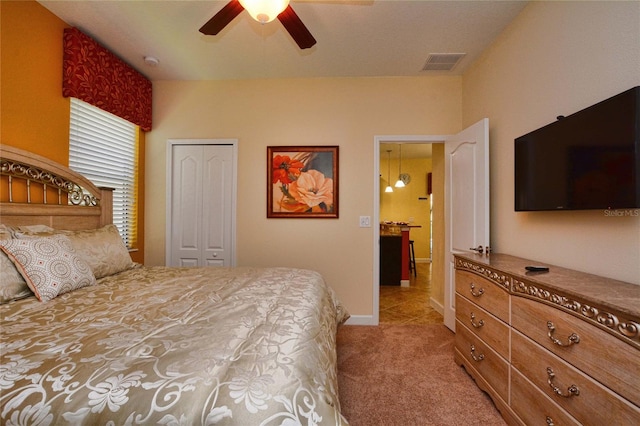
(368, 319)
(439, 307)
(360, 320)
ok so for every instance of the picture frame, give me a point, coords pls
(302, 181)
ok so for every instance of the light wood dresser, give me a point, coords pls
(551, 348)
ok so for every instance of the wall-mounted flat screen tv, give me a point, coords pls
(587, 160)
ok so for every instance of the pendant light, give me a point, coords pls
(388, 188)
(399, 182)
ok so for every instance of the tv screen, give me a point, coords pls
(587, 160)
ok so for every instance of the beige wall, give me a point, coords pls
(555, 59)
(345, 112)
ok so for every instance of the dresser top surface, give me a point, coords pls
(613, 294)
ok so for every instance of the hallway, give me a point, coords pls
(409, 305)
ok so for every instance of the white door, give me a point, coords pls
(466, 202)
(201, 204)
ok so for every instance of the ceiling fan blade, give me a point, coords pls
(293, 24)
(222, 18)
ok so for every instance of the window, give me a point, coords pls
(104, 149)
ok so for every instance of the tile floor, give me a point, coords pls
(409, 305)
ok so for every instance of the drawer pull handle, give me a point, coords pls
(550, 421)
(476, 324)
(475, 357)
(573, 337)
(571, 390)
(478, 293)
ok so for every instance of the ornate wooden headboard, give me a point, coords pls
(36, 190)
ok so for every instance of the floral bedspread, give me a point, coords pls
(175, 346)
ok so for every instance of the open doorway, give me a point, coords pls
(463, 179)
(419, 161)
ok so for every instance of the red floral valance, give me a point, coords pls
(95, 75)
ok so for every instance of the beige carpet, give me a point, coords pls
(405, 375)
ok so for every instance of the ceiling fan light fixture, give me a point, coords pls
(264, 11)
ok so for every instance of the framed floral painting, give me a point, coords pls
(302, 181)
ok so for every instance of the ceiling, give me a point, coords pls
(355, 38)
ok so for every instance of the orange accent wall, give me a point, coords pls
(138, 256)
(33, 113)
(35, 116)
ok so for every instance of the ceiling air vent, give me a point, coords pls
(442, 61)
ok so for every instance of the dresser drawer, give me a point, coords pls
(590, 404)
(484, 293)
(534, 407)
(621, 370)
(493, 368)
(490, 329)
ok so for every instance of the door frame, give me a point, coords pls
(234, 187)
(377, 140)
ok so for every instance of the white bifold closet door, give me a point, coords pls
(201, 205)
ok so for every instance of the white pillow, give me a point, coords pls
(50, 266)
(103, 249)
(12, 285)
(5, 232)
(34, 231)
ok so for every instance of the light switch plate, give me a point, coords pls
(365, 221)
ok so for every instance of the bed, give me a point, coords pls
(89, 337)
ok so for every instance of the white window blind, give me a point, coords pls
(103, 148)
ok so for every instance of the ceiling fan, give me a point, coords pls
(289, 19)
